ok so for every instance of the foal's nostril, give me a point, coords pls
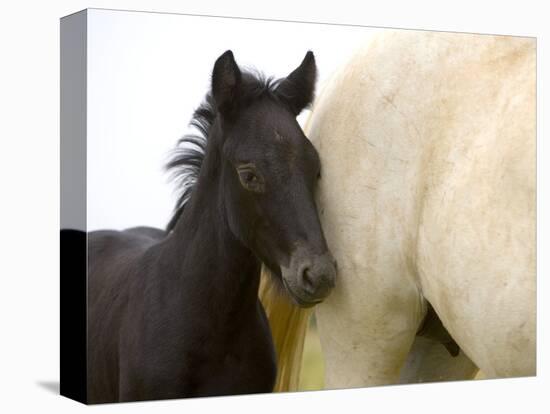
(307, 280)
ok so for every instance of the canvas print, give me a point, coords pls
(253, 206)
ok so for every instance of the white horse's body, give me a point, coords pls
(427, 145)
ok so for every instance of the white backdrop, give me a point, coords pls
(147, 72)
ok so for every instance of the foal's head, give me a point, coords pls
(269, 173)
(265, 169)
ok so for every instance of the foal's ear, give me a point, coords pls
(226, 79)
(298, 87)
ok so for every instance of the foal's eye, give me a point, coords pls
(250, 179)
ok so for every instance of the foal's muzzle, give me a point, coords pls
(310, 277)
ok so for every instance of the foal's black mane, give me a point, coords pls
(186, 159)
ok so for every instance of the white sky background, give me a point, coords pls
(147, 72)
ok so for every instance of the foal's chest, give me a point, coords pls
(244, 365)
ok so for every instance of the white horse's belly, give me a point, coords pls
(427, 145)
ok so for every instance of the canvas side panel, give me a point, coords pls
(73, 249)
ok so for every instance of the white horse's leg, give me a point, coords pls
(366, 337)
(369, 321)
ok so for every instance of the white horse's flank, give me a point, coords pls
(427, 145)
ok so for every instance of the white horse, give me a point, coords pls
(427, 145)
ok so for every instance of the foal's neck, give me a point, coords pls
(209, 258)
